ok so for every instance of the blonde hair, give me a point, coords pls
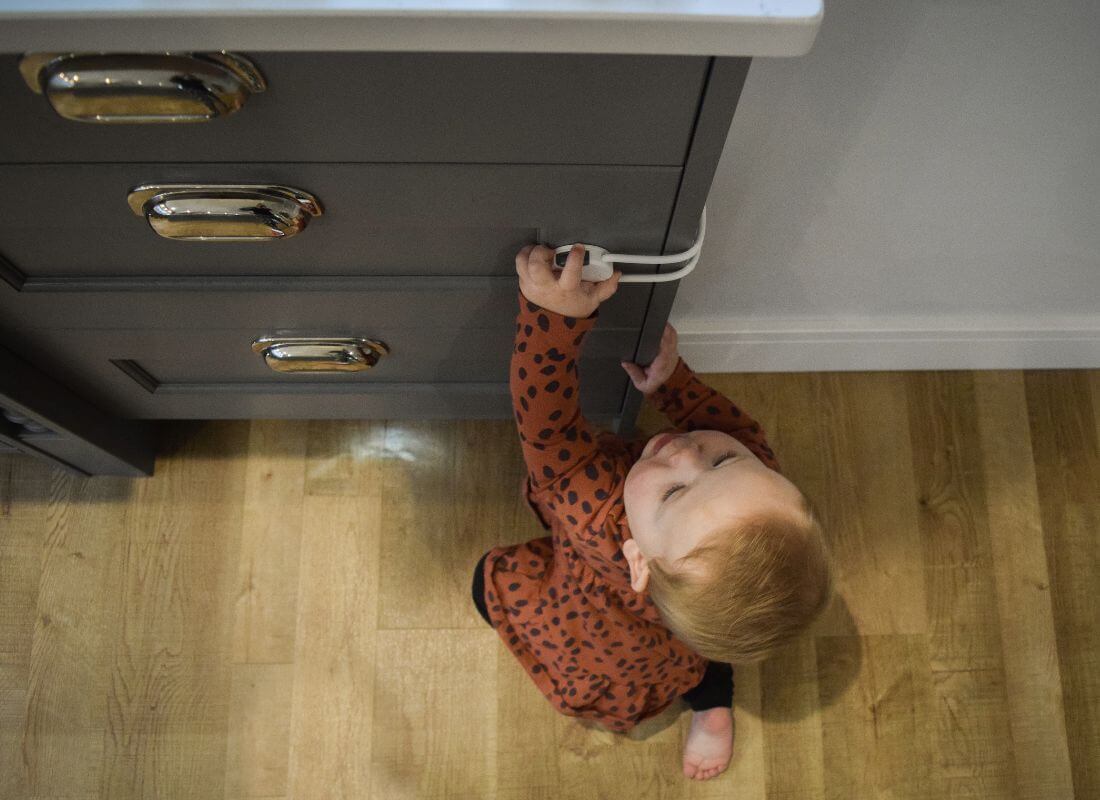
(748, 588)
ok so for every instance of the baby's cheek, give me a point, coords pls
(632, 487)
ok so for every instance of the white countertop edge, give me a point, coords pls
(656, 34)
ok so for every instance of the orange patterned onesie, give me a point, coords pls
(563, 604)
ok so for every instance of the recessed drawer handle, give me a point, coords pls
(297, 354)
(224, 212)
(142, 87)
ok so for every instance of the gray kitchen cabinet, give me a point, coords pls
(41, 417)
(431, 171)
(536, 108)
(377, 219)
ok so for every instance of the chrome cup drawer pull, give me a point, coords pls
(224, 212)
(142, 87)
(305, 354)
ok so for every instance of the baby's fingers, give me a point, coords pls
(521, 259)
(574, 264)
(536, 265)
(637, 376)
(669, 338)
(608, 287)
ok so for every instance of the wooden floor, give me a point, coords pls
(284, 611)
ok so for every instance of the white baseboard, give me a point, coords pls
(785, 344)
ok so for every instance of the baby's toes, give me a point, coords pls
(708, 769)
(695, 766)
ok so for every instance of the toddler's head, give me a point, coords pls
(731, 551)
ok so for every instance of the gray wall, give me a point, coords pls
(920, 191)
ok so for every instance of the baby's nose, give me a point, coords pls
(685, 448)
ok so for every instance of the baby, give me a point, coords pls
(669, 558)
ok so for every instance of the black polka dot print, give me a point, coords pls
(562, 603)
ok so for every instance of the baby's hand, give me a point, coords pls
(647, 379)
(566, 294)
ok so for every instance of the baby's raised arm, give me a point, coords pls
(555, 314)
(554, 434)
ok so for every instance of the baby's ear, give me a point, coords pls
(639, 569)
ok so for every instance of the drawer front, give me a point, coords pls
(189, 354)
(214, 373)
(378, 219)
(347, 306)
(315, 401)
(400, 107)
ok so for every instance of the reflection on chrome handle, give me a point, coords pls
(142, 87)
(324, 354)
(224, 212)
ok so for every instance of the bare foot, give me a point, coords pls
(709, 743)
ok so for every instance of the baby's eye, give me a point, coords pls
(673, 490)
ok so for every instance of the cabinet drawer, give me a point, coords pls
(198, 374)
(364, 306)
(400, 107)
(186, 354)
(389, 219)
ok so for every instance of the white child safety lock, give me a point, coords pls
(599, 264)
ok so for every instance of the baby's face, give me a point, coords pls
(686, 485)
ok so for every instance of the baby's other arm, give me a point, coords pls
(690, 404)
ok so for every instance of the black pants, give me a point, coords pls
(714, 690)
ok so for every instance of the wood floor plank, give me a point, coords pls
(590, 757)
(845, 444)
(596, 763)
(335, 668)
(433, 728)
(449, 496)
(267, 593)
(75, 628)
(24, 499)
(1064, 439)
(265, 619)
(169, 693)
(337, 451)
(13, 706)
(1033, 679)
(258, 728)
(964, 642)
(876, 731)
(418, 527)
(488, 507)
(789, 700)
